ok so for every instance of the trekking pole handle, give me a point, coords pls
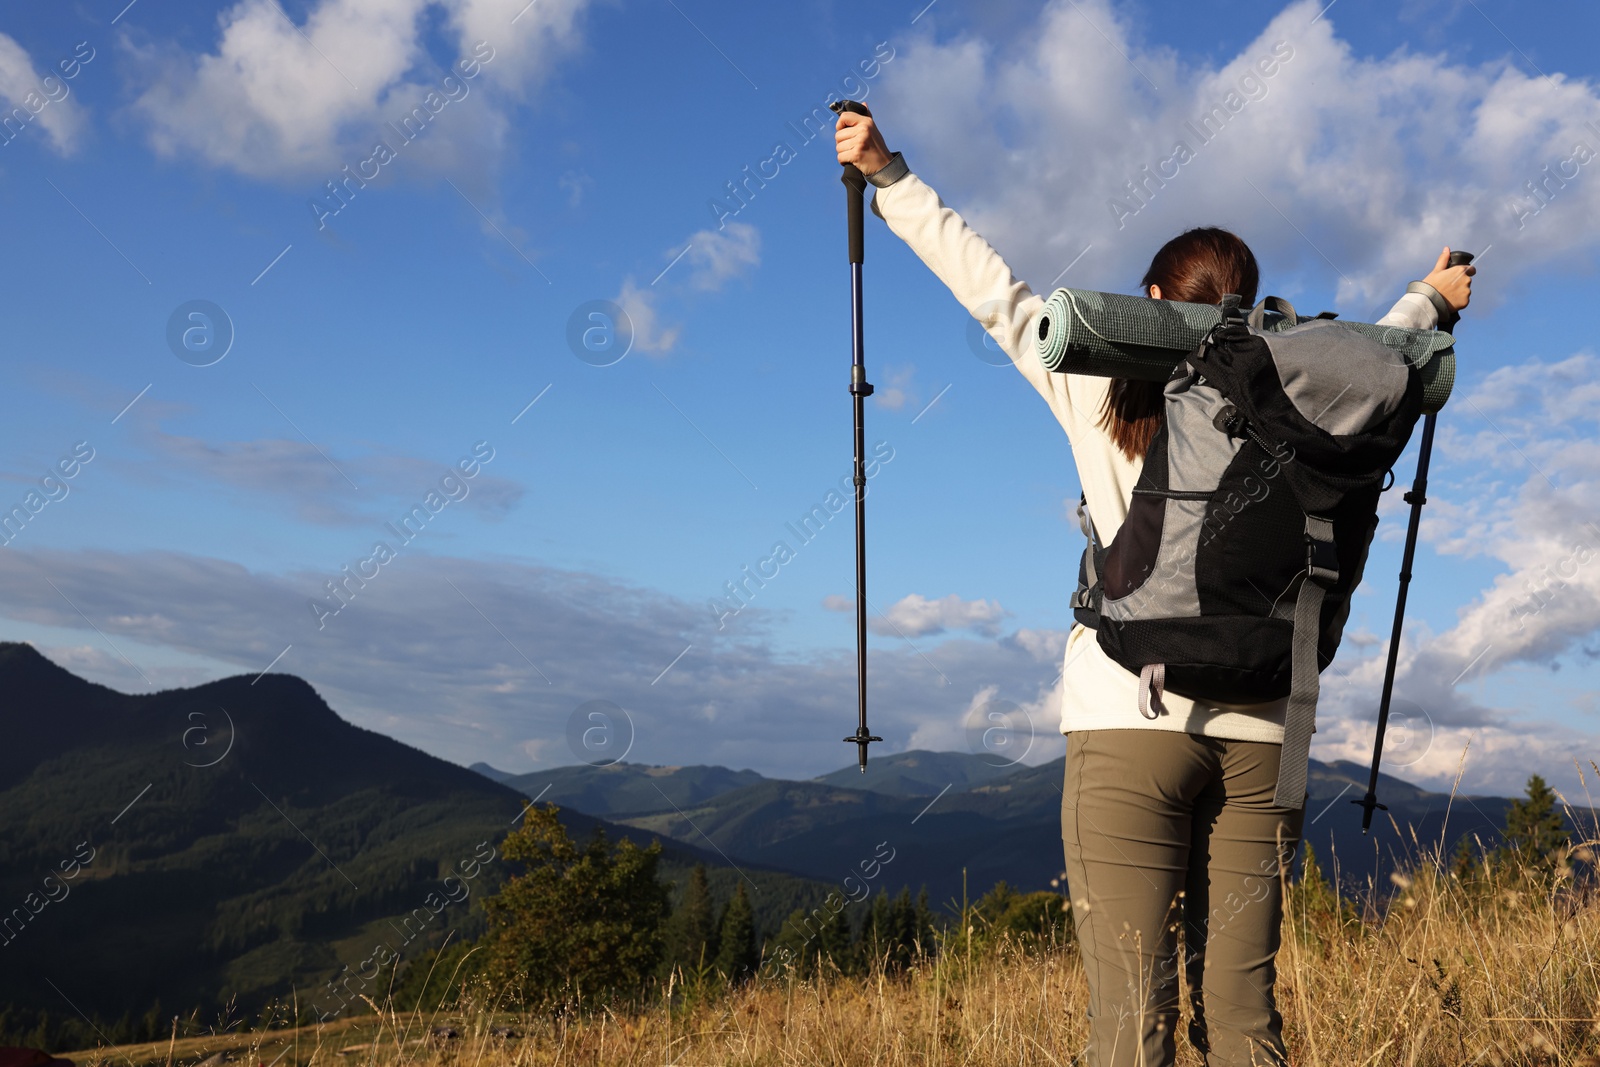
(1447, 315)
(855, 184)
(1457, 258)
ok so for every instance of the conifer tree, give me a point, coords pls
(807, 935)
(925, 942)
(1313, 885)
(1314, 902)
(1535, 835)
(691, 932)
(582, 922)
(736, 939)
(834, 941)
(902, 934)
(786, 951)
(1464, 861)
(874, 942)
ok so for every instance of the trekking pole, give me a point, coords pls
(1417, 497)
(855, 185)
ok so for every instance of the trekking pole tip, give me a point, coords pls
(861, 739)
(1368, 804)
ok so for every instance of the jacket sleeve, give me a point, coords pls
(1413, 311)
(983, 284)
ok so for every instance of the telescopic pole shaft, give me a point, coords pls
(859, 391)
(1416, 498)
(855, 184)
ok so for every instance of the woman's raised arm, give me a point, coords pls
(1454, 286)
(972, 270)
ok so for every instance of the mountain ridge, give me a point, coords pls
(992, 829)
(262, 841)
(259, 841)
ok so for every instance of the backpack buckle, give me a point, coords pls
(1231, 311)
(1322, 555)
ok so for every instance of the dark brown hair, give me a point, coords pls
(1198, 266)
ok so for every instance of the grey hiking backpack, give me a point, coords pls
(1249, 526)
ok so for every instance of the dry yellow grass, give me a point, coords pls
(1499, 971)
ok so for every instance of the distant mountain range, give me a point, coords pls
(951, 816)
(628, 787)
(920, 773)
(240, 839)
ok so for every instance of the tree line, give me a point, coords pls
(592, 924)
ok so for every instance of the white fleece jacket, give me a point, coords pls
(1097, 693)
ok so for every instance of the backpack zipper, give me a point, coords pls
(1177, 494)
(1233, 423)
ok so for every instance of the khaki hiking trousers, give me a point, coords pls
(1167, 832)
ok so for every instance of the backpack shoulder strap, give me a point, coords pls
(1322, 571)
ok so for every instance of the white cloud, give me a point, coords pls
(650, 334)
(1000, 730)
(42, 99)
(916, 616)
(1046, 646)
(526, 34)
(311, 481)
(575, 184)
(1390, 158)
(540, 750)
(893, 390)
(719, 256)
(1490, 760)
(1530, 498)
(276, 99)
(948, 733)
(714, 259)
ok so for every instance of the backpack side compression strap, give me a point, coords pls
(1322, 571)
(1086, 600)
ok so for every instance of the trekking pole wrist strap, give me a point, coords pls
(890, 172)
(1447, 315)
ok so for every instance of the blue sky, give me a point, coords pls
(580, 156)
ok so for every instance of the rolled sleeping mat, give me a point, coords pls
(1117, 336)
(1112, 335)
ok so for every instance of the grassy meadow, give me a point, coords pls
(1459, 962)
